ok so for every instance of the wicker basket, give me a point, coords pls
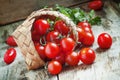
(22, 36)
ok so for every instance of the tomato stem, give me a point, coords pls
(43, 41)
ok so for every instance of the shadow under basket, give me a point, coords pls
(22, 35)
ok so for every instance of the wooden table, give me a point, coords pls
(105, 67)
(15, 10)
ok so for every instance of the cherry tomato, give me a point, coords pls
(9, 55)
(85, 26)
(104, 40)
(86, 29)
(60, 58)
(95, 5)
(72, 59)
(71, 35)
(61, 27)
(35, 36)
(81, 34)
(41, 26)
(67, 44)
(87, 55)
(54, 67)
(88, 39)
(41, 51)
(36, 43)
(53, 36)
(51, 50)
(10, 41)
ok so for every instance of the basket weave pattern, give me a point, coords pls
(22, 36)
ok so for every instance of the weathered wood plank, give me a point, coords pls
(66, 3)
(41, 74)
(116, 5)
(14, 10)
(106, 66)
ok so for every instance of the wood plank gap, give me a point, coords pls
(58, 77)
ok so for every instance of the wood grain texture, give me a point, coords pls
(105, 67)
(66, 3)
(14, 10)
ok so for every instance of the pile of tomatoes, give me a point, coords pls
(56, 44)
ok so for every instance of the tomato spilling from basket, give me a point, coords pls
(57, 37)
(56, 43)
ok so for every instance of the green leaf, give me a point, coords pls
(92, 13)
(65, 12)
(96, 20)
(51, 24)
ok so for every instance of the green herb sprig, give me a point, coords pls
(78, 15)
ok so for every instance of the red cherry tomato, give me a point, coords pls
(41, 26)
(95, 5)
(86, 29)
(9, 55)
(87, 55)
(104, 40)
(41, 51)
(72, 58)
(60, 58)
(36, 43)
(85, 26)
(81, 34)
(10, 41)
(35, 36)
(71, 35)
(54, 67)
(88, 39)
(51, 50)
(61, 27)
(53, 36)
(67, 44)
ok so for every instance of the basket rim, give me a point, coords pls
(50, 12)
